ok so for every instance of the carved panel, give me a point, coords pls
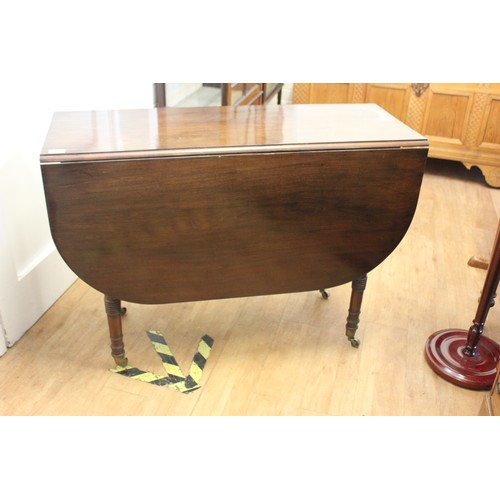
(393, 98)
(492, 130)
(330, 92)
(447, 115)
(301, 93)
(475, 119)
(416, 111)
(325, 93)
(358, 92)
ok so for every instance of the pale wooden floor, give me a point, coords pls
(287, 354)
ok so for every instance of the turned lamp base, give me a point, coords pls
(444, 351)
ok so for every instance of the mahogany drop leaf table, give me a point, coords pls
(171, 205)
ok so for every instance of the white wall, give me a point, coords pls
(3, 339)
(26, 112)
(25, 240)
(176, 92)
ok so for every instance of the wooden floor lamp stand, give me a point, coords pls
(468, 358)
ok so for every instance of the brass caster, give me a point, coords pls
(355, 343)
(121, 361)
(324, 293)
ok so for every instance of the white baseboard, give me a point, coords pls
(45, 253)
(38, 286)
(3, 338)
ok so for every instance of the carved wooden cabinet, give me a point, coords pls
(460, 120)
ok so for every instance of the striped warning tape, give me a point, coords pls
(175, 376)
(170, 365)
(200, 360)
(136, 374)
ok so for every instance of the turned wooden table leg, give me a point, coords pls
(115, 311)
(358, 287)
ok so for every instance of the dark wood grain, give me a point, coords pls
(160, 132)
(183, 229)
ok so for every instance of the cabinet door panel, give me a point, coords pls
(330, 93)
(392, 97)
(446, 115)
(491, 135)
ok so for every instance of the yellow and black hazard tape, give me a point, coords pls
(199, 360)
(175, 376)
(136, 374)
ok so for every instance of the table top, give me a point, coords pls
(165, 132)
